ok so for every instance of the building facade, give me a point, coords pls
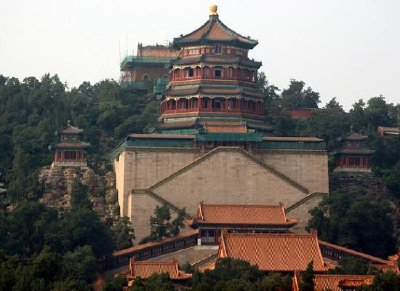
(71, 150)
(353, 154)
(212, 144)
(147, 72)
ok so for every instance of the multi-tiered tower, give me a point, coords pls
(213, 82)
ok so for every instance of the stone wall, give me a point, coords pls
(308, 168)
(184, 177)
(141, 168)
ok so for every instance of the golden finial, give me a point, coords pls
(213, 9)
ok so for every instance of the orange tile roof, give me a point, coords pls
(387, 268)
(214, 30)
(157, 51)
(334, 282)
(71, 129)
(284, 252)
(243, 214)
(145, 269)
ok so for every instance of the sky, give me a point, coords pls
(349, 49)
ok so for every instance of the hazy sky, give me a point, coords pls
(344, 48)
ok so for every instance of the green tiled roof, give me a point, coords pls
(130, 60)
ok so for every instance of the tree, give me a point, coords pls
(161, 225)
(154, 282)
(351, 221)
(384, 281)
(276, 282)
(82, 227)
(80, 264)
(123, 233)
(307, 278)
(298, 97)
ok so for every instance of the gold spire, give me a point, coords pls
(213, 9)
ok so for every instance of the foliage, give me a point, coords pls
(353, 221)
(154, 282)
(115, 284)
(230, 274)
(31, 112)
(45, 250)
(383, 281)
(307, 278)
(298, 97)
(123, 233)
(352, 266)
(161, 225)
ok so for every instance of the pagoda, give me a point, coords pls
(212, 143)
(353, 154)
(70, 152)
(213, 83)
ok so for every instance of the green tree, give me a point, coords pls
(161, 225)
(383, 282)
(351, 221)
(154, 282)
(307, 278)
(80, 264)
(298, 97)
(123, 233)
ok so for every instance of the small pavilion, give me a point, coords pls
(353, 154)
(212, 218)
(70, 151)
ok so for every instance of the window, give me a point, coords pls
(217, 49)
(165, 78)
(190, 72)
(145, 77)
(217, 73)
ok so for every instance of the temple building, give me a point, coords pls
(144, 269)
(283, 252)
(212, 143)
(71, 151)
(212, 219)
(213, 80)
(353, 154)
(147, 72)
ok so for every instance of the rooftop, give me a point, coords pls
(69, 129)
(243, 214)
(214, 30)
(144, 269)
(285, 252)
(334, 282)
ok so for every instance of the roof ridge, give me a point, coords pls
(154, 262)
(243, 205)
(269, 234)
